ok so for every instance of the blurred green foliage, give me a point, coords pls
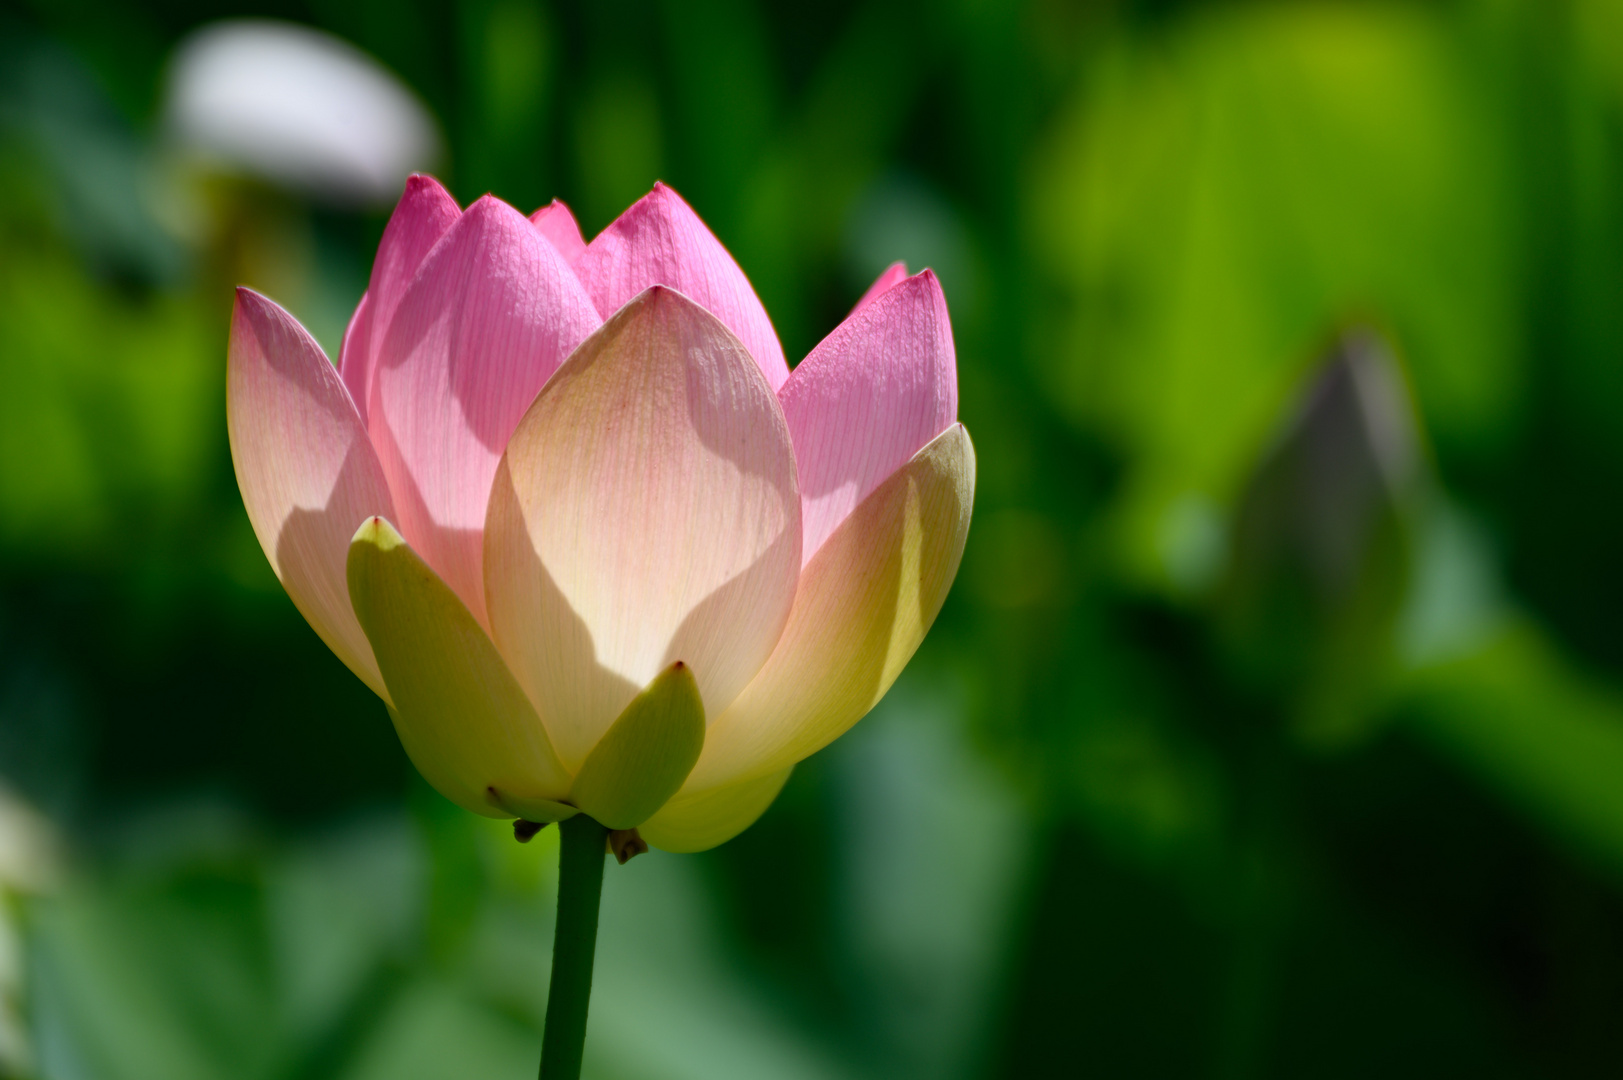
(1273, 728)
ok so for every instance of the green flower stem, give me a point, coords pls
(574, 946)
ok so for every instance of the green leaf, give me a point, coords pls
(642, 760)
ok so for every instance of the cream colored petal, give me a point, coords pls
(865, 602)
(462, 718)
(700, 821)
(645, 512)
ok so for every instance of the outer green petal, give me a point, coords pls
(864, 603)
(464, 721)
(641, 761)
(704, 819)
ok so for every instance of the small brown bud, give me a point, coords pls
(524, 831)
(626, 844)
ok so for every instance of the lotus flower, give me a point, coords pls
(566, 510)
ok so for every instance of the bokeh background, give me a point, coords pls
(1273, 728)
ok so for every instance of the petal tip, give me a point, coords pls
(249, 300)
(489, 204)
(379, 533)
(420, 187)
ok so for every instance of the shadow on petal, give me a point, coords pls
(702, 632)
(546, 644)
(455, 552)
(865, 602)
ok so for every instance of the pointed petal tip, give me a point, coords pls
(893, 275)
(660, 195)
(490, 205)
(488, 208)
(253, 302)
(659, 238)
(418, 184)
(379, 533)
(659, 298)
(558, 223)
(925, 279)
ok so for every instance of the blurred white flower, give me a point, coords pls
(298, 107)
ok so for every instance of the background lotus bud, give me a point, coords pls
(564, 507)
(1322, 542)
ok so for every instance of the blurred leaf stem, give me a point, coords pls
(574, 946)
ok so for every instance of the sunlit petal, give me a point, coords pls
(641, 761)
(462, 718)
(874, 391)
(661, 241)
(646, 512)
(865, 601)
(700, 821)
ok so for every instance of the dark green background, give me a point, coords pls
(1153, 800)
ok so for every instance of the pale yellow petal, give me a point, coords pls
(641, 761)
(461, 716)
(864, 603)
(699, 821)
(644, 512)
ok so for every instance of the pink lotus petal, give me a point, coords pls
(489, 316)
(874, 391)
(863, 605)
(307, 471)
(645, 513)
(424, 213)
(558, 225)
(894, 275)
(357, 340)
(661, 241)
